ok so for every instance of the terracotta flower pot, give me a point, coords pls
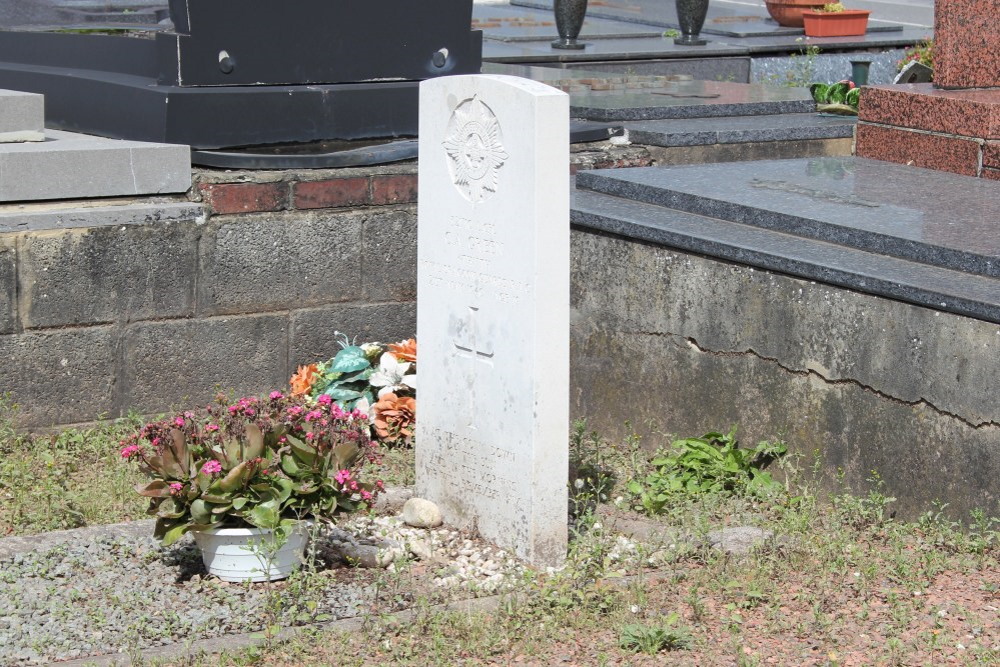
(789, 12)
(836, 24)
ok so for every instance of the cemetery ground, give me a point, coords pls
(840, 581)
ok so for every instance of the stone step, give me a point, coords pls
(74, 166)
(37, 216)
(739, 129)
(22, 116)
(826, 262)
(936, 218)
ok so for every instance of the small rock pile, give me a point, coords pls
(457, 559)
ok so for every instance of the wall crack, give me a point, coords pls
(750, 352)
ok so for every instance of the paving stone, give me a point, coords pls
(70, 165)
(22, 116)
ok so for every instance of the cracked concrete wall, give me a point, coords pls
(681, 344)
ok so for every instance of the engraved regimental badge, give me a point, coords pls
(474, 145)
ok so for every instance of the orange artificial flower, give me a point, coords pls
(303, 379)
(395, 417)
(404, 350)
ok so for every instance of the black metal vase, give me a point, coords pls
(569, 21)
(691, 17)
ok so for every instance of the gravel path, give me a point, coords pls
(114, 589)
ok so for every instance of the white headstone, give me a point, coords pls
(493, 309)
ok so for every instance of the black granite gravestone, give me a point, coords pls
(247, 72)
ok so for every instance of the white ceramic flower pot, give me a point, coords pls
(246, 554)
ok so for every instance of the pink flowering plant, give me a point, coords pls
(260, 462)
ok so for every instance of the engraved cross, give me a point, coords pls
(470, 349)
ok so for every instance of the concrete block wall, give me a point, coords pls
(682, 344)
(164, 303)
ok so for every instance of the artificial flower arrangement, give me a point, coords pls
(839, 98)
(266, 463)
(372, 378)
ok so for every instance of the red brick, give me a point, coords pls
(992, 174)
(966, 35)
(394, 189)
(244, 197)
(932, 151)
(332, 193)
(921, 106)
(991, 154)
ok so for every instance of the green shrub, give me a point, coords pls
(713, 463)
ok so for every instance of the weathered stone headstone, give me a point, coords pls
(493, 309)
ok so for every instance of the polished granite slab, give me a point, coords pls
(605, 49)
(728, 19)
(691, 99)
(931, 217)
(740, 129)
(506, 23)
(611, 97)
(821, 261)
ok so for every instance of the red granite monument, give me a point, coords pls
(952, 124)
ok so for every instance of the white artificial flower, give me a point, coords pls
(391, 375)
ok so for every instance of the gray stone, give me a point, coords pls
(719, 68)
(312, 329)
(107, 274)
(61, 376)
(22, 116)
(627, 48)
(691, 99)
(421, 513)
(914, 282)
(60, 216)
(10, 547)
(865, 381)
(739, 129)
(391, 500)
(245, 261)
(914, 72)
(754, 150)
(184, 362)
(420, 550)
(70, 165)
(8, 284)
(389, 256)
(523, 24)
(245, 267)
(889, 209)
(739, 540)
(802, 70)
